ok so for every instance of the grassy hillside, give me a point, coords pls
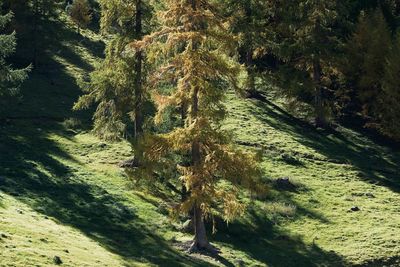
(63, 195)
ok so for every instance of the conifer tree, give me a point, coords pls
(367, 50)
(248, 19)
(10, 78)
(191, 49)
(306, 37)
(80, 13)
(372, 72)
(30, 19)
(116, 86)
(389, 102)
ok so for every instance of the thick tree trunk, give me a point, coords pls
(200, 235)
(200, 241)
(138, 70)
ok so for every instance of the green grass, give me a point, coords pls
(337, 170)
(62, 193)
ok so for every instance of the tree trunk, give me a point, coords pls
(184, 191)
(200, 241)
(200, 235)
(138, 79)
(35, 33)
(320, 120)
(251, 83)
(249, 63)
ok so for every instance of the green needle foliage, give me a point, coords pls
(10, 78)
(372, 72)
(307, 38)
(391, 93)
(248, 20)
(116, 86)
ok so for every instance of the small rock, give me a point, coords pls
(355, 208)
(20, 211)
(66, 250)
(4, 236)
(57, 260)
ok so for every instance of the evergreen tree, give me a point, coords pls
(306, 37)
(30, 18)
(192, 50)
(80, 13)
(10, 78)
(390, 10)
(248, 19)
(372, 73)
(117, 84)
(364, 66)
(389, 102)
(367, 50)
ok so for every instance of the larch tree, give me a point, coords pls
(10, 78)
(117, 84)
(192, 49)
(80, 13)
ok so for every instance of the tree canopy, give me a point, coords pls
(10, 78)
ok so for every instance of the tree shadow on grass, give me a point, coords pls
(374, 163)
(31, 170)
(31, 167)
(262, 241)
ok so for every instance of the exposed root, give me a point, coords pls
(195, 247)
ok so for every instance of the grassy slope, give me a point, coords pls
(60, 189)
(336, 170)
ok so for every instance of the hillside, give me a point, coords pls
(63, 195)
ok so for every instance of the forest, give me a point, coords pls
(200, 133)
